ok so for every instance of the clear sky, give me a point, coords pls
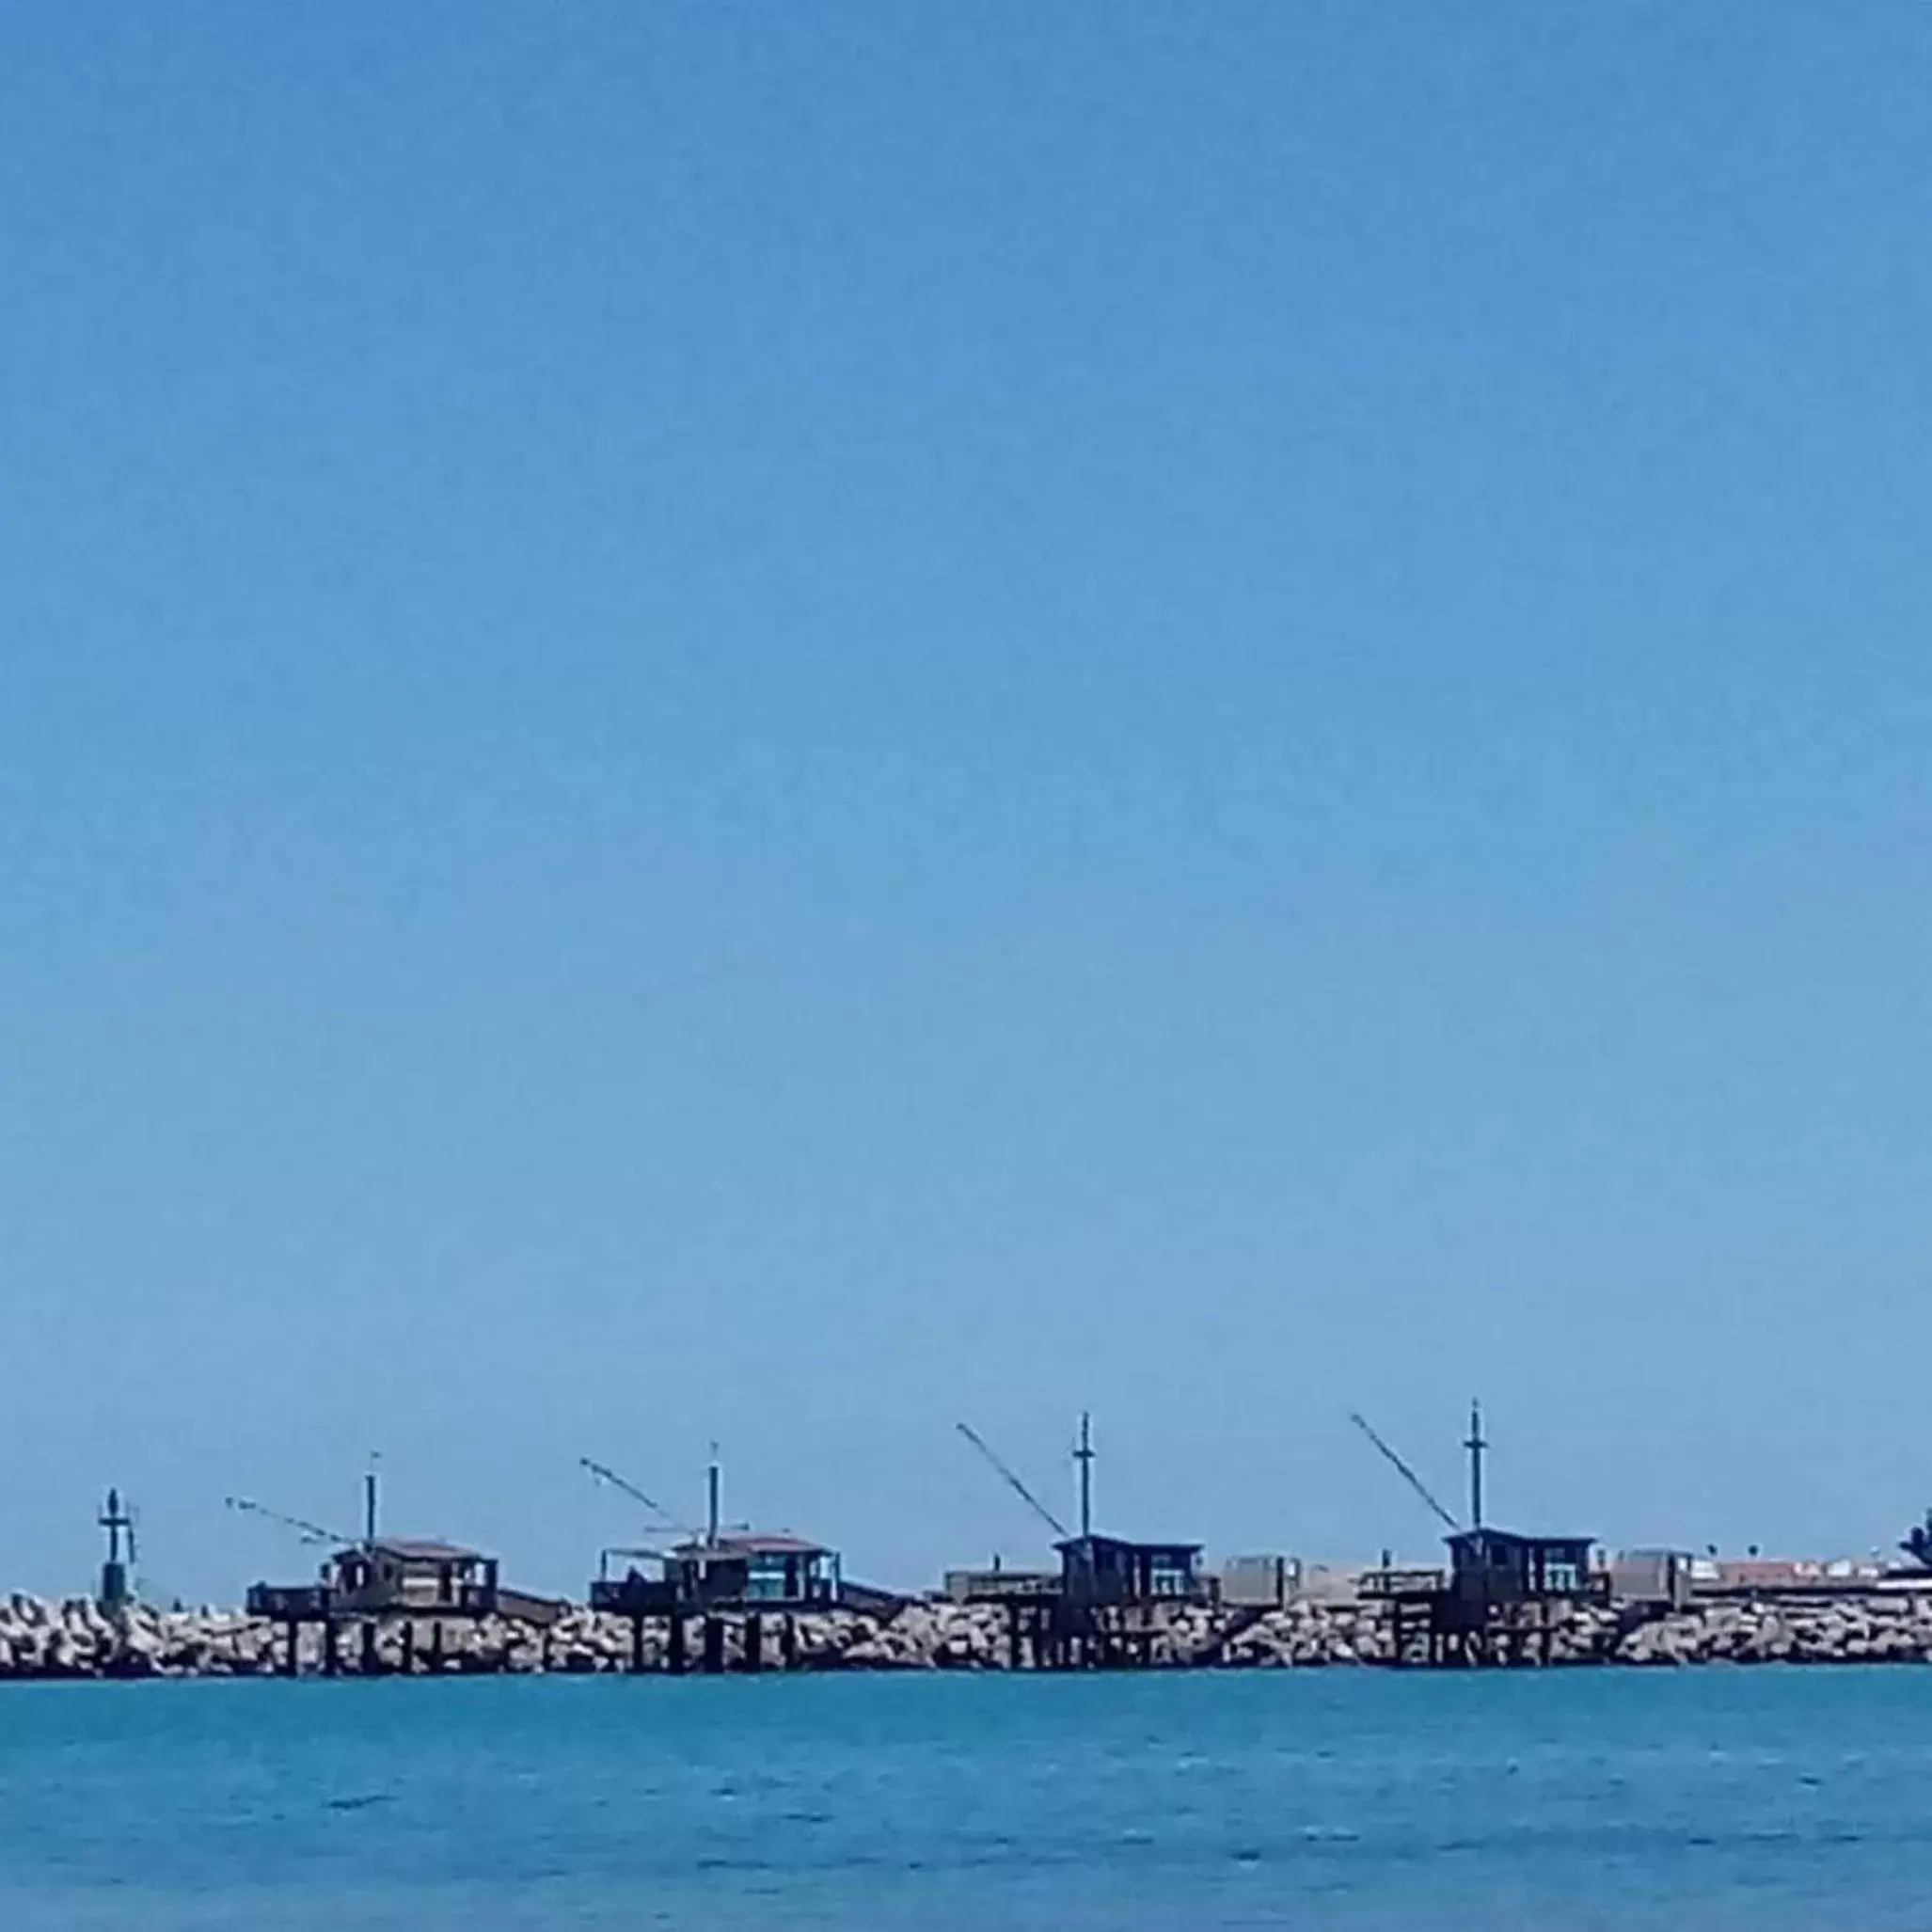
(786, 722)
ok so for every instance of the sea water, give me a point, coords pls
(1706, 1798)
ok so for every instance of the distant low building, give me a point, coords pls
(1337, 1583)
(1772, 1573)
(1261, 1582)
(1666, 1577)
(999, 1585)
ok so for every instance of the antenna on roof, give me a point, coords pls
(1084, 1455)
(711, 1485)
(370, 1482)
(1475, 1444)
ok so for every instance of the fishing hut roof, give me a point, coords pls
(1509, 1539)
(1079, 1542)
(748, 1543)
(420, 1550)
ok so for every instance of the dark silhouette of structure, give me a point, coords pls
(375, 1582)
(1112, 1595)
(116, 1586)
(1503, 1596)
(744, 1583)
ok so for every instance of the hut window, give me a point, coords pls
(1169, 1576)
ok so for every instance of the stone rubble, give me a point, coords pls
(76, 1639)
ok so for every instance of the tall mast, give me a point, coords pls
(369, 1498)
(1475, 1444)
(711, 1481)
(1084, 1455)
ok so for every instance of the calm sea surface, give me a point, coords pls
(1705, 1799)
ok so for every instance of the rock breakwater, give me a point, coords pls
(74, 1639)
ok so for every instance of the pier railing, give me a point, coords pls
(1412, 1582)
(635, 1597)
(286, 1602)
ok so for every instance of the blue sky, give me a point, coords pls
(779, 723)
